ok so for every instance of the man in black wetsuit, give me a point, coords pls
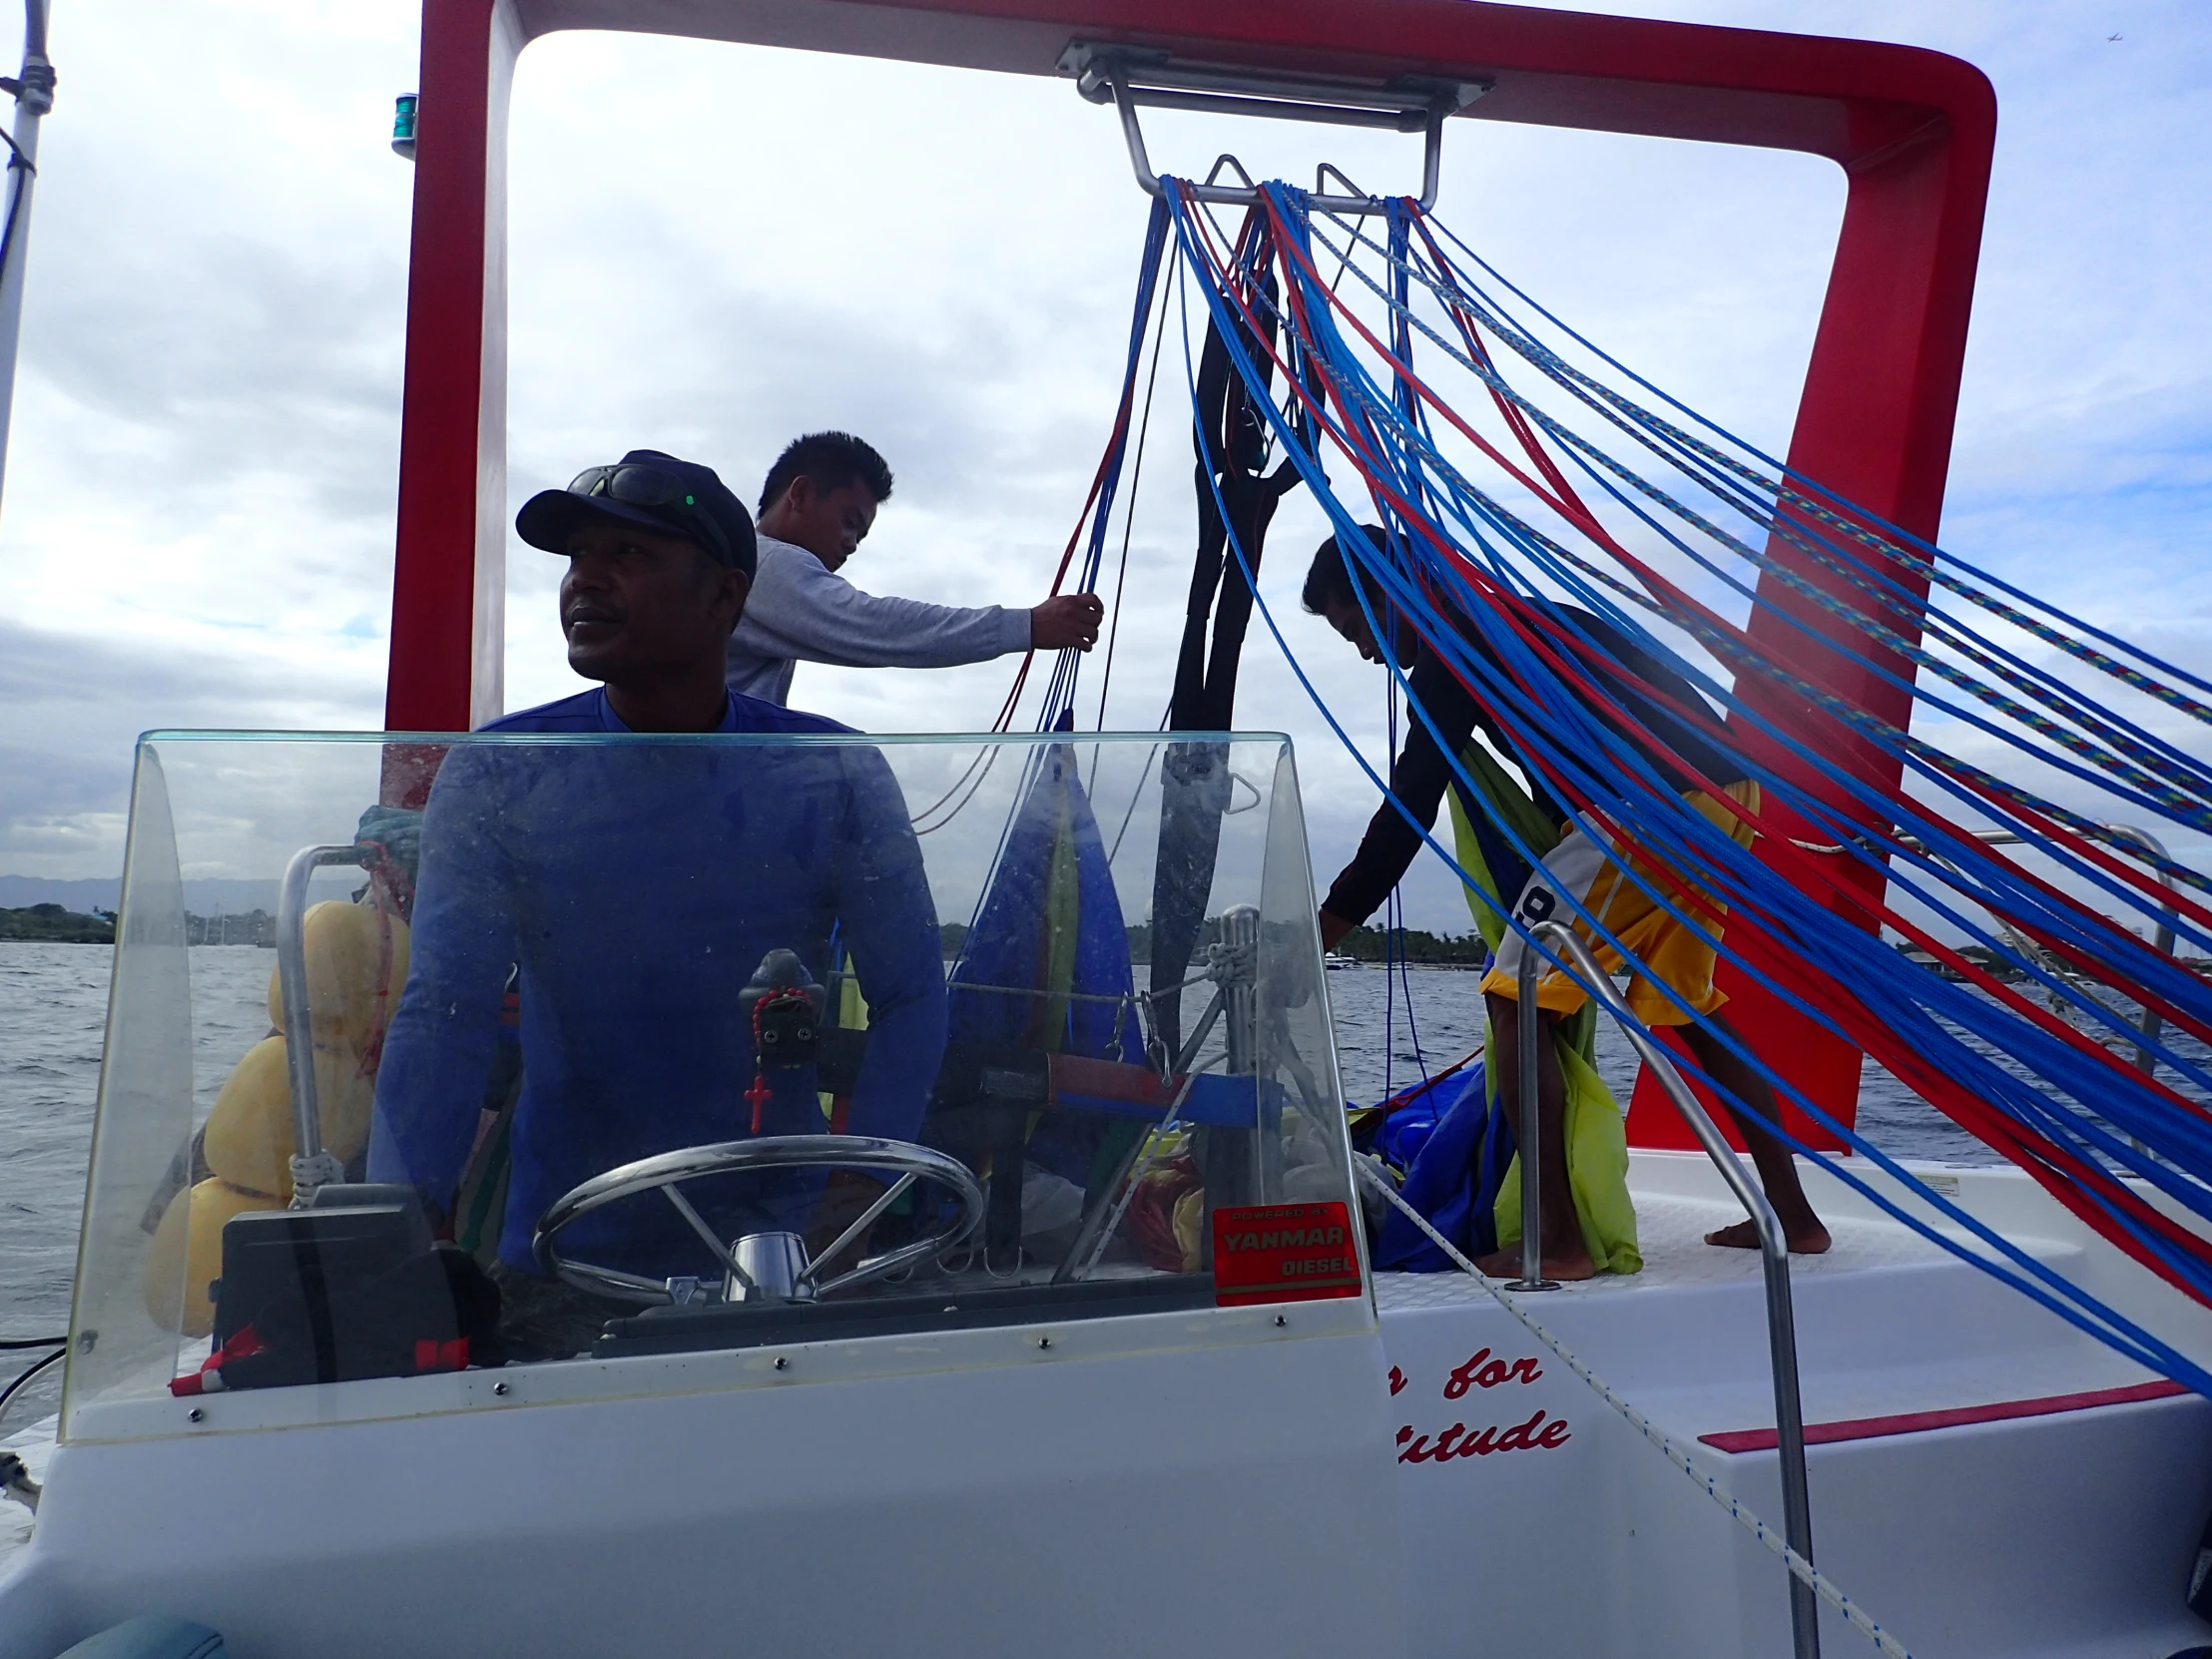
(1585, 864)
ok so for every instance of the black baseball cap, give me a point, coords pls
(654, 492)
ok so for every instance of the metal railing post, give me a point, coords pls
(1528, 1032)
(2152, 1022)
(1774, 1258)
(312, 1167)
(34, 97)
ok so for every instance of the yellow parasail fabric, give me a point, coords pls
(186, 1256)
(1597, 1171)
(1189, 1220)
(1596, 1136)
(356, 961)
(249, 1139)
(356, 965)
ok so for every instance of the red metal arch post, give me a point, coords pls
(1913, 130)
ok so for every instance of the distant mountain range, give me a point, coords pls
(217, 896)
(18, 892)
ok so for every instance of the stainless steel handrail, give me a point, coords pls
(1529, 1030)
(1774, 1248)
(2152, 1022)
(312, 1167)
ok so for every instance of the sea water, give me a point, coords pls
(1395, 1028)
(1391, 1030)
(53, 1011)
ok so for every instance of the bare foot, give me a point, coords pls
(1808, 1238)
(1506, 1264)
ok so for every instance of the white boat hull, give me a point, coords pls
(2069, 1531)
(1130, 1485)
(1138, 1483)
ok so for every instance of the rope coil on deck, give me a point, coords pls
(1799, 1566)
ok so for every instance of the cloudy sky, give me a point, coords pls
(716, 247)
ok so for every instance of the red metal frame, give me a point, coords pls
(1913, 130)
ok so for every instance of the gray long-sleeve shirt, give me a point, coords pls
(800, 609)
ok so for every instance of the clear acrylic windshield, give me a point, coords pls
(627, 1045)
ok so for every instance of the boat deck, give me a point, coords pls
(1671, 1229)
(1877, 1316)
(1987, 1479)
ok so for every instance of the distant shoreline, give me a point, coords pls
(51, 924)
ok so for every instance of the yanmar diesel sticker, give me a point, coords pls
(1284, 1252)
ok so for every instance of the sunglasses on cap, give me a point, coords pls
(637, 484)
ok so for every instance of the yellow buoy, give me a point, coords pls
(249, 1139)
(352, 988)
(186, 1256)
(1188, 1221)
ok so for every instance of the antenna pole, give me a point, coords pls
(33, 96)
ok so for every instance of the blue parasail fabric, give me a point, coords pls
(1454, 1180)
(1050, 925)
(1400, 1136)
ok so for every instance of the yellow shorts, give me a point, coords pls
(1588, 866)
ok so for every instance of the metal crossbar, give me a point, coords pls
(1127, 997)
(1127, 75)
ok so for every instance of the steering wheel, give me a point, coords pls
(667, 1170)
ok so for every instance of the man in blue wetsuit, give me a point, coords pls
(635, 887)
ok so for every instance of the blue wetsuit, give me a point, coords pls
(637, 882)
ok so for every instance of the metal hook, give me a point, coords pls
(1326, 170)
(1225, 159)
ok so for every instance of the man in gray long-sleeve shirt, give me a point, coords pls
(817, 504)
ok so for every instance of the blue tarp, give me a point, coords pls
(1458, 1149)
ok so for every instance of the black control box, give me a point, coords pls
(331, 1295)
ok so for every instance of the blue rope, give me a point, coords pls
(1404, 594)
(2173, 985)
(2164, 756)
(2144, 745)
(1889, 961)
(1815, 487)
